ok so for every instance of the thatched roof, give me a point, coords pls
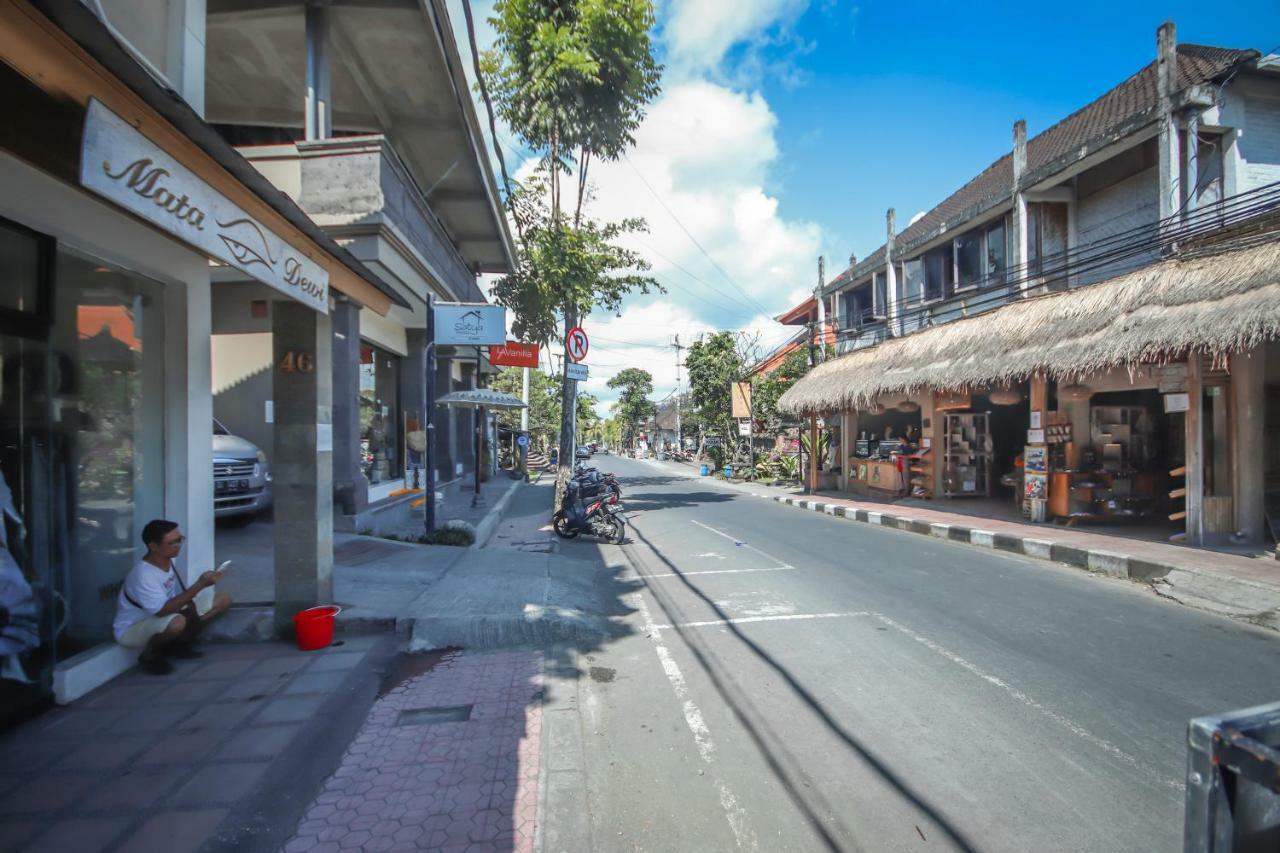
(1214, 303)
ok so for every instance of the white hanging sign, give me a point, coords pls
(120, 164)
(470, 324)
(575, 371)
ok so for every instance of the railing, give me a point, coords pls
(1079, 266)
(1233, 783)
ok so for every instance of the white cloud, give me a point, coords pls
(700, 33)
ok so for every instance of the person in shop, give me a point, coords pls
(155, 611)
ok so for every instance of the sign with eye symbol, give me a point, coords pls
(120, 164)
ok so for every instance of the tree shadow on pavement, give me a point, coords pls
(761, 733)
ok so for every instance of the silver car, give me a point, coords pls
(241, 476)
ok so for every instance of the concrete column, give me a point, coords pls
(303, 438)
(1248, 375)
(413, 383)
(1018, 221)
(318, 116)
(350, 486)
(890, 277)
(444, 441)
(1170, 143)
(1194, 424)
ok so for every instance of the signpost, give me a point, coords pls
(514, 354)
(470, 324)
(576, 343)
(576, 372)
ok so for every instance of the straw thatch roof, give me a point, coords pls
(1217, 304)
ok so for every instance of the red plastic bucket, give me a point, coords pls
(314, 626)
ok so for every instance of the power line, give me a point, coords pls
(693, 239)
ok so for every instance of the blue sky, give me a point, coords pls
(786, 128)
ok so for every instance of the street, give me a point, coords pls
(792, 681)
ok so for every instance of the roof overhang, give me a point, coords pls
(395, 70)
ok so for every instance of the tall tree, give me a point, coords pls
(714, 363)
(633, 405)
(767, 389)
(572, 79)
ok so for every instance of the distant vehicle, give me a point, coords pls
(603, 449)
(241, 476)
(583, 452)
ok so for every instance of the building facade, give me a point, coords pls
(1088, 320)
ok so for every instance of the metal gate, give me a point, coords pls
(1233, 782)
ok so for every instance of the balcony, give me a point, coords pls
(357, 187)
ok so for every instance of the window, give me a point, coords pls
(26, 264)
(857, 306)
(938, 274)
(880, 296)
(997, 253)
(380, 437)
(912, 283)
(969, 272)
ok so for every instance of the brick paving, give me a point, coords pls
(406, 784)
(167, 763)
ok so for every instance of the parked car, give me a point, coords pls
(241, 476)
(583, 452)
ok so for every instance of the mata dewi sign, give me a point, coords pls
(470, 324)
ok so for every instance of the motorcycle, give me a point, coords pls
(595, 483)
(598, 516)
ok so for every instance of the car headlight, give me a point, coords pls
(262, 457)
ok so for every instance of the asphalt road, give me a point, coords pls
(792, 681)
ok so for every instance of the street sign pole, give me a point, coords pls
(524, 423)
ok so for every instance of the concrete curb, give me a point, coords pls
(491, 520)
(1238, 598)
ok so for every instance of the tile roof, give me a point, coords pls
(1118, 112)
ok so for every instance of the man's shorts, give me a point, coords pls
(139, 633)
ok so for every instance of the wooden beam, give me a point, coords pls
(47, 56)
(1194, 425)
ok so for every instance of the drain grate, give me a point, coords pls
(428, 716)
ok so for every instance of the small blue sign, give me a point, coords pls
(522, 440)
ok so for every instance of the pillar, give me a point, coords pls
(1169, 141)
(413, 385)
(303, 458)
(350, 487)
(1020, 239)
(1248, 375)
(318, 105)
(1194, 425)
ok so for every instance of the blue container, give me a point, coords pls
(704, 471)
(728, 471)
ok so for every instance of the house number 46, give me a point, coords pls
(298, 362)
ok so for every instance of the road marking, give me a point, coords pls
(722, 572)
(734, 813)
(711, 554)
(1070, 725)
(782, 617)
(740, 543)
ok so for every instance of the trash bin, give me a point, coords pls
(728, 471)
(1233, 782)
(704, 471)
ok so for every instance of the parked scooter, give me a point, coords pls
(598, 516)
(595, 483)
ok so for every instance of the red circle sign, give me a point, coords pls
(576, 343)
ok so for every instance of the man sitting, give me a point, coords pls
(155, 611)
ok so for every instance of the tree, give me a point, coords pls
(633, 405)
(714, 363)
(544, 404)
(571, 78)
(767, 389)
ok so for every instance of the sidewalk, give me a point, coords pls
(1244, 588)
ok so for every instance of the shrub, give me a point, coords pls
(789, 467)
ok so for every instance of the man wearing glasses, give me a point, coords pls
(155, 611)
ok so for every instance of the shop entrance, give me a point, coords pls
(81, 452)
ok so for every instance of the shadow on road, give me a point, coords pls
(757, 732)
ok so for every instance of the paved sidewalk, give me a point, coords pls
(218, 753)
(447, 761)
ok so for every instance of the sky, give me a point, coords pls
(786, 128)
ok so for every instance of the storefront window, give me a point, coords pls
(380, 428)
(81, 459)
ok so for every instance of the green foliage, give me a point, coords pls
(788, 467)
(544, 403)
(824, 443)
(633, 405)
(714, 363)
(564, 270)
(767, 389)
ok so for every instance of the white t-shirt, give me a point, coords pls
(147, 585)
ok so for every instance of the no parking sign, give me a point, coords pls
(575, 341)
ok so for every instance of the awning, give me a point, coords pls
(1215, 302)
(481, 397)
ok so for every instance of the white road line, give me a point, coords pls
(784, 617)
(1070, 725)
(740, 543)
(722, 572)
(734, 813)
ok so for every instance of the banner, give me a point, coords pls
(514, 354)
